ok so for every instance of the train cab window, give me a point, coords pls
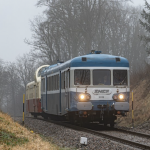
(120, 77)
(101, 77)
(82, 77)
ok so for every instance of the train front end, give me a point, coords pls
(99, 88)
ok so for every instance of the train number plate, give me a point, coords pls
(101, 97)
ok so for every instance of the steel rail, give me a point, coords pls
(133, 133)
(98, 133)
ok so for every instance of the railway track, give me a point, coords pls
(105, 135)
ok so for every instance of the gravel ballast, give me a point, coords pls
(69, 138)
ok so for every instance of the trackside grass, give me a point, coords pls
(13, 136)
(141, 96)
(10, 138)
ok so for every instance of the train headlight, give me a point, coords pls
(84, 97)
(121, 96)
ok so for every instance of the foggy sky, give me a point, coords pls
(15, 26)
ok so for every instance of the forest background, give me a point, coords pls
(71, 28)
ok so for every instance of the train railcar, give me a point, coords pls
(93, 87)
(33, 94)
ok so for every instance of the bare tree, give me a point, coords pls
(3, 82)
(145, 22)
(25, 68)
(71, 28)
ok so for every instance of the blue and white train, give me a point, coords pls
(93, 87)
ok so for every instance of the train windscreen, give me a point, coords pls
(82, 77)
(120, 77)
(101, 77)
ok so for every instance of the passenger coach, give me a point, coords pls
(93, 87)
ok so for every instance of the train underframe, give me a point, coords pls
(104, 117)
(83, 117)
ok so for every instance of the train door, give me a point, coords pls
(67, 79)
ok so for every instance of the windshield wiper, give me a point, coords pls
(123, 80)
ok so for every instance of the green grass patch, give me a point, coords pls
(1, 119)
(10, 139)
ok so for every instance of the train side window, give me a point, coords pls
(43, 85)
(69, 79)
(55, 83)
(50, 83)
(47, 83)
(58, 82)
(62, 80)
(66, 79)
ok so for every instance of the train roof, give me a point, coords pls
(90, 60)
